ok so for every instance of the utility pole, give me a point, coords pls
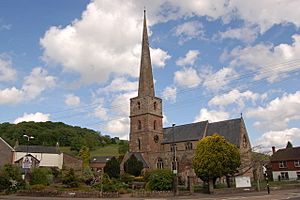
(174, 165)
(27, 166)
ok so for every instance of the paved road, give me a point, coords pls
(275, 195)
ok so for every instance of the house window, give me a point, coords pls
(160, 163)
(173, 147)
(284, 175)
(298, 175)
(188, 146)
(139, 144)
(139, 105)
(174, 165)
(154, 105)
(282, 164)
(139, 124)
(297, 163)
(154, 125)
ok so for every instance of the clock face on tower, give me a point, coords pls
(156, 138)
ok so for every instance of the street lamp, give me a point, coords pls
(28, 138)
(27, 167)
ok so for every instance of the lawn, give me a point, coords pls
(109, 150)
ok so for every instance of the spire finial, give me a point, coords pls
(241, 115)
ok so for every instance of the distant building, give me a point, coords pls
(285, 163)
(97, 163)
(174, 147)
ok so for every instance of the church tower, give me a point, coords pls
(146, 131)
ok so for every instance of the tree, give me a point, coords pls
(41, 176)
(289, 145)
(215, 157)
(112, 168)
(133, 166)
(70, 179)
(84, 154)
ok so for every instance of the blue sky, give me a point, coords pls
(78, 62)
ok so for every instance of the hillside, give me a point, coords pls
(108, 150)
(49, 133)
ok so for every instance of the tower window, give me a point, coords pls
(160, 163)
(154, 105)
(139, 144)
(139, 124)
(154, 125)
(139, 105)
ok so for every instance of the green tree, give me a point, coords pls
(160, 180)
(215, 157)
(70, 180)
(133, 166)
(289, 145)
(11, 178)
(112, 168)
(84, 154)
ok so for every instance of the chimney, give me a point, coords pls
(273, 149)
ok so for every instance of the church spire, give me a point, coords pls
(146, 86)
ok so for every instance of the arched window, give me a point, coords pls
(154, 125)
(154, 105)
(188, 146)
(139, 124)
(139, 144)
(160, 163)
(139, 105)
(175, 165)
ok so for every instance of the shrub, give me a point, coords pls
(11, 178)
(41, 176)
(4, 183)
(160, 180)
(127, 178)
(112, 168)
(70, 180)
(87, 176)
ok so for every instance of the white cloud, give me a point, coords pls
(159, 57)
(278, 113)
(118, 127)
(37, 82)
(271, 62)
(121, 84)
(279, 139)
(247, 34)
(120, 103)
(96, 50)
(235, 96)
(72, 100)
(189, 58)
(169, 94)
(11, 96)
(211, 115)
(35, 117)
(187, 77)
(189, 30)
(215, 81)
(7, 73)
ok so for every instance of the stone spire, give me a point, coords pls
(146, 86)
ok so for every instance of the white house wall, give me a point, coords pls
(46, 159)
(292, 175)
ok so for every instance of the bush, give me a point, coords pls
(70, 180)
(88, 176)
(133, 166)
(112, 168)
(11, 178)
(4, 183)
(41, 176)
(127, 178)
(160, 180)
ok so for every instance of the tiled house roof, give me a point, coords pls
(286, 154)
(37, 149)
(100, 159)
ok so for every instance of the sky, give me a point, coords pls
(77, 61)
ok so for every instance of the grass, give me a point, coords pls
(109, 150)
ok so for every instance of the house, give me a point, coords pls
(285, 163)
(6, 152)
(97, 163)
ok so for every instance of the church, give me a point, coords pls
(173, 147)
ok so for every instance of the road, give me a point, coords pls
(275, 195)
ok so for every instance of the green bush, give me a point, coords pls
(133, 166)
(11, 178)
(160, 180)
(41, 176)
(70, 180)
(112, 168)
(127, 178)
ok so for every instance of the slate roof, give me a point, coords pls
(230, 129)
(37, 149)
(187, 132)
(100, 159)
(286, 154)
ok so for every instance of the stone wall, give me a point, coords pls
(6, 153)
